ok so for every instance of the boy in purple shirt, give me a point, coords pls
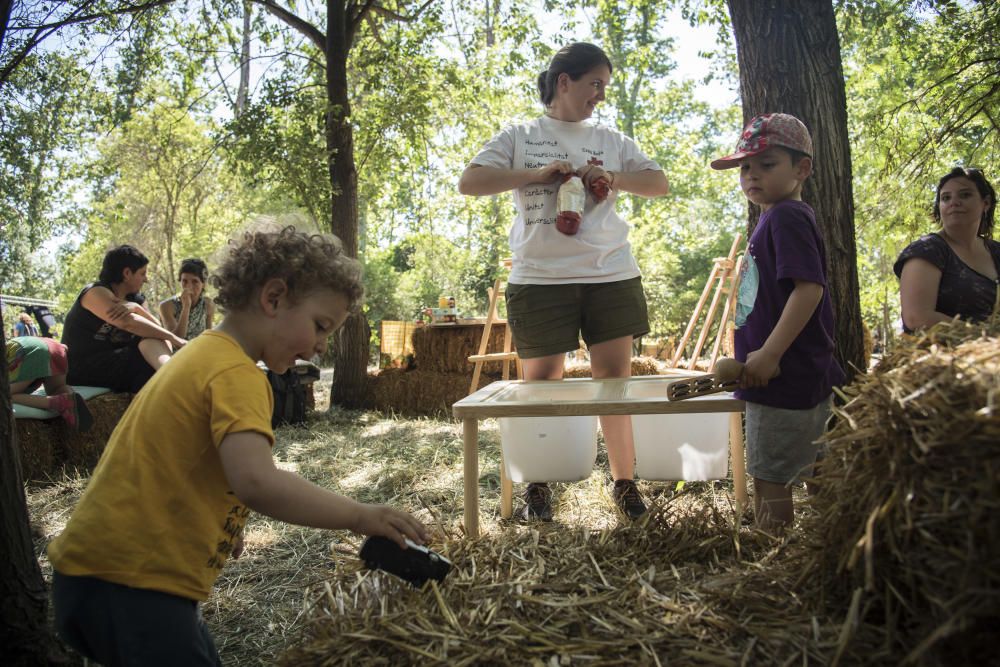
(784, 317)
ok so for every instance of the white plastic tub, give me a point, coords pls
(692, 447)
(549, 449)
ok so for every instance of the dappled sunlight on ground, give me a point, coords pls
(256, 610)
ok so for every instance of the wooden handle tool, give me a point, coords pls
(725, 377)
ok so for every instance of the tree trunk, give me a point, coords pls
(5, 7)
(350, 358)
(243, 91)
(789, 60)
(24, 630)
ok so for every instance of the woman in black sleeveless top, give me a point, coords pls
(113, 340)
(954, 271)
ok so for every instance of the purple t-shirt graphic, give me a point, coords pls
(784, 247)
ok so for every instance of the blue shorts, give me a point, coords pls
(781, 443)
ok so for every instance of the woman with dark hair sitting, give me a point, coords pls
(190, 312)
(954, 271)
(113, 340)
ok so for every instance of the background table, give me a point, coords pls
(493, 401)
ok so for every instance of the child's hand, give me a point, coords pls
(391, 523)
(759, 369)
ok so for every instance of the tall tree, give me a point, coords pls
(31, 23)
(24, 629)
(334, 41)
(789, 61)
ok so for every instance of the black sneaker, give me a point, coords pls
(537, 502)
(627, 498)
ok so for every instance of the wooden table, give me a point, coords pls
(493, 401)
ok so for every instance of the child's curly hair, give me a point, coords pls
(306, 262)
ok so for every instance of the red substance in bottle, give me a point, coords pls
(568, 222)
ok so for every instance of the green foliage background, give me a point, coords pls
(125, 131)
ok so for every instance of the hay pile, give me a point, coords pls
(627, 595)
(446, 349)
(419, 392)
(442, 372)
(896, 560)
(907, 521)
(48, 446)
(640, 366)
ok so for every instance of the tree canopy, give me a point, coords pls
(119, 122)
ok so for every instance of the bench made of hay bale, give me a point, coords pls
(50, 445)
(447, 348)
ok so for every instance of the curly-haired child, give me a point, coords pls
(166, 505)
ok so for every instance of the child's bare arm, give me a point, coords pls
(762, 364)
(283, 495)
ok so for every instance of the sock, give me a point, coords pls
(65, 405)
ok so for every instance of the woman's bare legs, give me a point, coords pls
(613, 359)
(544, 368)
(156, 352)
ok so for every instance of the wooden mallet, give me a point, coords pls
(725, 376)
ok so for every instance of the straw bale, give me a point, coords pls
(419, 392)
(640, 366)
(446, 349)
(906, 522)
(47, 446)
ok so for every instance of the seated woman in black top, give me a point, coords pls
(113, 340)
(954, 271)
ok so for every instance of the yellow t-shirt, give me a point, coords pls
(158, 512)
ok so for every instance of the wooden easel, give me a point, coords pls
(725, 275)
(493, 317)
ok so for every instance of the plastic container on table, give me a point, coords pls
(549, 449)
(691, 447)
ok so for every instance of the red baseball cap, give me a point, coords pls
(766, 131)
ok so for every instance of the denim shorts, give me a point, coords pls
(781, 443)
(549, 319)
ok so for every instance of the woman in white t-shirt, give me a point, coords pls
(584, 282)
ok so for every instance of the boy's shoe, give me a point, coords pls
(627, 498)
(537, 502)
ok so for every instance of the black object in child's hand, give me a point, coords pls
(416, 564)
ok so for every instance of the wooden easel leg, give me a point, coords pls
(737, 460)
(470, 437)
(507, 344)
(506, 492)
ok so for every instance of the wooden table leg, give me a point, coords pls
(470, 436)
(737, 458)
(506, 492)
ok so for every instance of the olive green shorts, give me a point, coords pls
(548, 319)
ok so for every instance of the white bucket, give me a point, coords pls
(688, 446)
(549, 449)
